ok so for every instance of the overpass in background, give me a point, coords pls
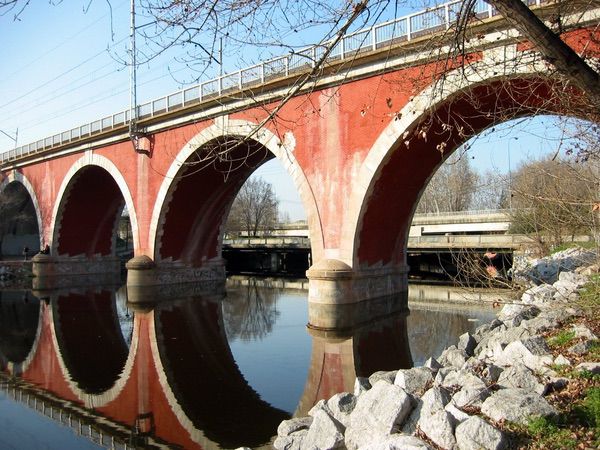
(477, 230)
(360, 140)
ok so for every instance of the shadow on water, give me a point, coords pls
(202, 368)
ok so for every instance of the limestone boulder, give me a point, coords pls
(341, 406)
(397, 442)
(516, 405)
(520, 376)
(379, 412)
(414, 381)
(324, 433)
(477, 434)
(290, 426)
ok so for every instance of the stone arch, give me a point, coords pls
(90, 160)
(16, 176)
(483, 75)
(222, 129)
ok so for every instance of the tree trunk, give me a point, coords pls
(555, 51)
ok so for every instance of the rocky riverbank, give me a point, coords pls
(485, 391)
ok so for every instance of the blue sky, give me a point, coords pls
(62, 67)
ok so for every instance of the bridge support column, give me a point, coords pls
(334, 282)
(52, 272)
(148, 281)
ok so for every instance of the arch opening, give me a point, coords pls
(200, 198)
(89, 214)
(19, 228)
(408, 166)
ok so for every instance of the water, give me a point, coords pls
(85, 368)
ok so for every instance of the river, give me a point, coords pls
(86, 369)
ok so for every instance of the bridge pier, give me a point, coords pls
(52, 272)
(146, 279)
(333, 282)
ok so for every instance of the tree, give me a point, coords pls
(254, 209)
(451, 188)
(553, 199)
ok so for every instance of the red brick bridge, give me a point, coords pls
(360, 142)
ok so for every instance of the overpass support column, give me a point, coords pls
(333, 282)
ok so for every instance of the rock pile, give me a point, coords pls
(500, 372)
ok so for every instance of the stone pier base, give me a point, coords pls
(54, 272)
(334, 282)
(147, 280)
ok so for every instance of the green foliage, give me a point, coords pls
(589, 297)
(566, 245)
(591, 407)
(562, 338)
(549, 435)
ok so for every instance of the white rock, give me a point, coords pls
(582, 331)
(341, 406)
(325, 433)
(415, 380)
(378, 412)
(539, 295)
(291, 442)
(438, 425)
(386, 375)
(361, 385)
(561, 360)
(519, 376)
(397, 442)
(470, 396)
(459, 416)
(516, 405)
(533, 352)
(476, 434)
(467, 343)
(290, 426)
(593, 367)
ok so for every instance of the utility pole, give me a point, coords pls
(14, 139)
(132, 74)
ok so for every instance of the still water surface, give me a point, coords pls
(85, 369)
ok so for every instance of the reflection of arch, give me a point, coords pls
(14, 176)
(20, 330)
(394, 173)
(201, 380)
(222, 130)
(102, 169)
(92, 353)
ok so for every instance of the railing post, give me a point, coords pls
(490, 10)
(286, 65)
(220, 85)
(408, 28)
(240, 79)
(374, 38)
(447, 15)
(342, 47)
(262, 73)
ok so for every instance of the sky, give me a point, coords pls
(63, 66)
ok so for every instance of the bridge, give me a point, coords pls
(360, 141)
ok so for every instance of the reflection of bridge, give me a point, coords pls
(360, 142)
(176, 381)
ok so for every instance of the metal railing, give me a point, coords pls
(405, 28)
